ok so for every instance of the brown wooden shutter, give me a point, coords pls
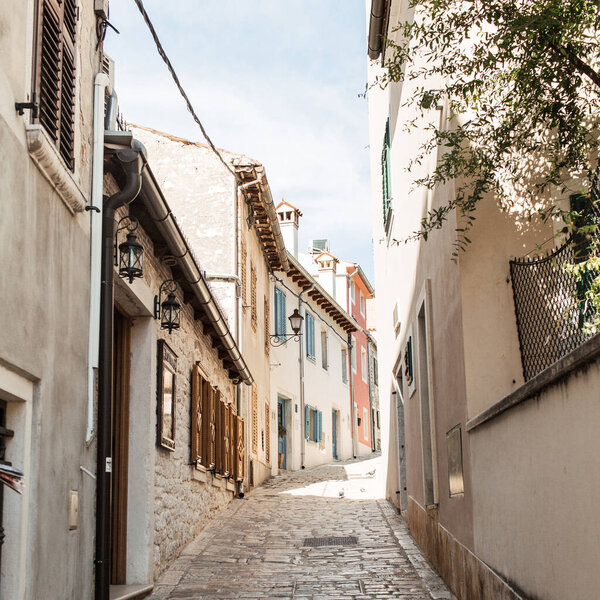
(226, 420)
(253, 317)
(267, 433)
(218, 432)
(239, 448)
(254, 419)
(232, 440)
(55, 73)
(196, 421)
(210, 435)
(244, 278)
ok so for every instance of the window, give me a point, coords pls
(365, 423)
(353, 356)
(344, 365)
(363, 364)
(408, 361)
(254, 419)
(280, 319)
(375, 376)
(55, 74)
(386, 176)
(313, 424)
(267, 433)
(324, 349)
(352, 292)
(266, 321)
(362, 305)
(243, 276)
(310, 336)
(253, 317)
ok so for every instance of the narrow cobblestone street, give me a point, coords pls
(256, 547)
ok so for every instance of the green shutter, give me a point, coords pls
(386, 176)
(306, 421)
(280, 312)
(320, 438)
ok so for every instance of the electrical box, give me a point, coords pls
(101, 8)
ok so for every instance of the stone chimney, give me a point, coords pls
(327, 265)
(289, 216)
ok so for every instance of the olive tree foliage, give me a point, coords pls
(522, 81)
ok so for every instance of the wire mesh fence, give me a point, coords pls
(551, 304)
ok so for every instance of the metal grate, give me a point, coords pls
(550, 303)
(330, 541)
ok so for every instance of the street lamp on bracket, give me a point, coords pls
(278, 339)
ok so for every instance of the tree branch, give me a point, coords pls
(576, 62)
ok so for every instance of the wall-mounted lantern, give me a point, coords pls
(130, 257)
(169, 310)
(296, 319)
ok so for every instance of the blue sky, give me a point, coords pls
(278, 80)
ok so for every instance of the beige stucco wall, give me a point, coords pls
(44, 292)
(535, 489)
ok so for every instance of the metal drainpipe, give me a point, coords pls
(132, 165)
(301, 359)
(352, 415)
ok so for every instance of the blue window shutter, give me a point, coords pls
(306, 421)
(283, 313)
(320, 426)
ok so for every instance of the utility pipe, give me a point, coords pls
(131, 163)
(376, 28)
(101, 90)
(301, 359)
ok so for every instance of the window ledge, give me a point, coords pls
(561, 369)
(48, 161)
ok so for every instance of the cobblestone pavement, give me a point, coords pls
(254, 549)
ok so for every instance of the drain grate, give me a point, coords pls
(331, 541)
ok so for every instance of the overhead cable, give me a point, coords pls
(190, 108)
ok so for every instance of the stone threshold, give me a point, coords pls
(563, 367)
(130, 592)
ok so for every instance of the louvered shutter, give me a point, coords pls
(226, 419)
(211, 428)
(196, 416)
(239, 448)
(306, 422)
(320, 421)
(267, 433)
(232, 440)
(219, 433)
(55, 73)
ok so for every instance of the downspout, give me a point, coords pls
(101, 89)
(301, 359)
(352, 415)
(375, 28)
(131, 163)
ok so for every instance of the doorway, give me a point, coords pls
(120, 446)
(281, 433)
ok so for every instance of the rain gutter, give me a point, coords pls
(376, 23)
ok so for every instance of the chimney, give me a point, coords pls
(327, 265)
(289, 216)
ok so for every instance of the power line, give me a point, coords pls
(190, 108)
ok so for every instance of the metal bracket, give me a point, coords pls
(92, 207)
(32, 106)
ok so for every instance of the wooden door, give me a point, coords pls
(120, 446)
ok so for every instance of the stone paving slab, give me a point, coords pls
(255, 548)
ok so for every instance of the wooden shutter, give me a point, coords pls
(196, 421)
(267, 433)
(320, 426)
(219, 432)
(55, 73)
(239, 448)
(254, 419)
(225, 449)
(210, 426)
(232, 441)
(307, 422)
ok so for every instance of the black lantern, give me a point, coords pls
(169, 310)
(296, 322)
(131, 252)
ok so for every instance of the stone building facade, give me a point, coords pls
(169, 480)
(239, 247)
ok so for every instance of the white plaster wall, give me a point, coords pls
(324, 389)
